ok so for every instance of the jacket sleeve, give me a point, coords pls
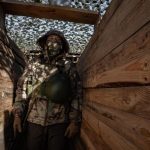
(21, 96)
(75, 113)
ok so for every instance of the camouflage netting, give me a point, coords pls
(25, 30)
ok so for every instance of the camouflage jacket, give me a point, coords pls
(43, 111)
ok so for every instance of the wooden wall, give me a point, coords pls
(2, 19)
(12, 64)
(115, 69)
(11, 67)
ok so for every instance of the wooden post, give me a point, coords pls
(49, 12)
(2, 18)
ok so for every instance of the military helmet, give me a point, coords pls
(57, 88)
(42, 40)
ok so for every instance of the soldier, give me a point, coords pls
(54, 112)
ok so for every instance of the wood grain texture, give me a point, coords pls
(96, 140)
(2, 18)
(49, 12)
(100, 25)
(115, 70)
(10, 49)
(11, 55)
(88, 143)
(133, 128)
(134, 48)
(114, 140)
(11, 58)
(135, 100)
(136, 71)
(127, 20)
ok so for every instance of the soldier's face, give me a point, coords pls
(53, 45)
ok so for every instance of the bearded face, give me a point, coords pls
(53, 46)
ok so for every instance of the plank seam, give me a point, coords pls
(117, 45)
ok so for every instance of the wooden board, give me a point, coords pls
(2, 19)
(12, 59)
(126, 21)
(134, 48)
(100, 25)
(49, 12)
(135, 129)
(131, 99)
(9, 54)
(10, 49)
(136, 71)
(95, 139)
(88, 143)
(109, 136)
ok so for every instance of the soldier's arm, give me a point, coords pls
(21, 98)
(75, 114)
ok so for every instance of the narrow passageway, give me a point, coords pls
(115, 72)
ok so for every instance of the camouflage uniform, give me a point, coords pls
(44, 112)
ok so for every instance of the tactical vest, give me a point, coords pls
(56, 88)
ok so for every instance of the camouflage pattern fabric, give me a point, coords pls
(44, 112)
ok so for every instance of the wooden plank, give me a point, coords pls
(12, 60)
(127, 20)
(135, 129)
(85, 137)
(134, 48)
(131, 99)
(3, 36)
(96, 140)
(11, 55)
(49, 12)
(17, 52)
(10, 49)
(136, 71)
(110, 137)
(2, 19)
(100, 25)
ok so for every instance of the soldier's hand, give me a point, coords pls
(71, 130)
(17, 125)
